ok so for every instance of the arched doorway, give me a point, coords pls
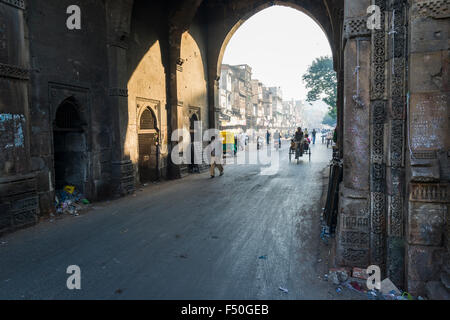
(148, 137)
(326, 17)
(70, 147)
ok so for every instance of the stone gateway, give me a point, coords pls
(94, 106)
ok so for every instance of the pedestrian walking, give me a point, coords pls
(242, 142)
(277, 140)
(215, 161)
(314, 133)
(268, 137)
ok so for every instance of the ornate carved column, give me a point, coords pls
(377, 146)
(397, 52)
(354, 224)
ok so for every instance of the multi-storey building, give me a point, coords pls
(246, 105)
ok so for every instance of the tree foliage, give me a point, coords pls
(321, 82)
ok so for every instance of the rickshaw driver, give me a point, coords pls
(298, 138)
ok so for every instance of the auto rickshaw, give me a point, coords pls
(229, 143)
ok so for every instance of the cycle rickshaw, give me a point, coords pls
(296, 151)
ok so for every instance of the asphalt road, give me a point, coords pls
(240, 236)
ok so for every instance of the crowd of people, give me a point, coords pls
(243, 139)
(300, 140)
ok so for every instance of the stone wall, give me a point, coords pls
(193, 79)
(428, 146)
(393, 209)
(18, 192)
(69, 64)
(147, 68)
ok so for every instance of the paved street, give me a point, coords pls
(240, 236)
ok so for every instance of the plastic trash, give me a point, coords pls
(372, 295)
(360, 273)
(355, 285)
(325, 234)
(284, 290)
(339, 289)
(338, 276)
(69, 201)
(69, 189)
(262, 257)
(387, 286)
(407, 296)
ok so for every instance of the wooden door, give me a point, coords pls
(148, 140)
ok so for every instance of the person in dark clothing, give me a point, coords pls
(314, 133)
(298, 138)
(298, 135)
(268, 137)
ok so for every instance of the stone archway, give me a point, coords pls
(377, 167)
(225, 20)
(148, 145)
(70, 147)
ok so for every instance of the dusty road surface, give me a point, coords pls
(240, 236)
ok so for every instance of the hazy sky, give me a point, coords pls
(279, 43)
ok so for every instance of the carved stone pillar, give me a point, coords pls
(213, 96)
(118, 24)
(397, 51)
(340, 107)
(353, 229)
(378, 105)
(175, 66)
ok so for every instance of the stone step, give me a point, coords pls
(435, 290)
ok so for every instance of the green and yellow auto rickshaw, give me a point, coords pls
(229, 143)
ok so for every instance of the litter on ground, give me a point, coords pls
(70, 201)
(283, 290)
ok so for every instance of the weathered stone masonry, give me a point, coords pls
(394, 210)
(96, 107)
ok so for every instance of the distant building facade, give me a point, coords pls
(246, 105)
